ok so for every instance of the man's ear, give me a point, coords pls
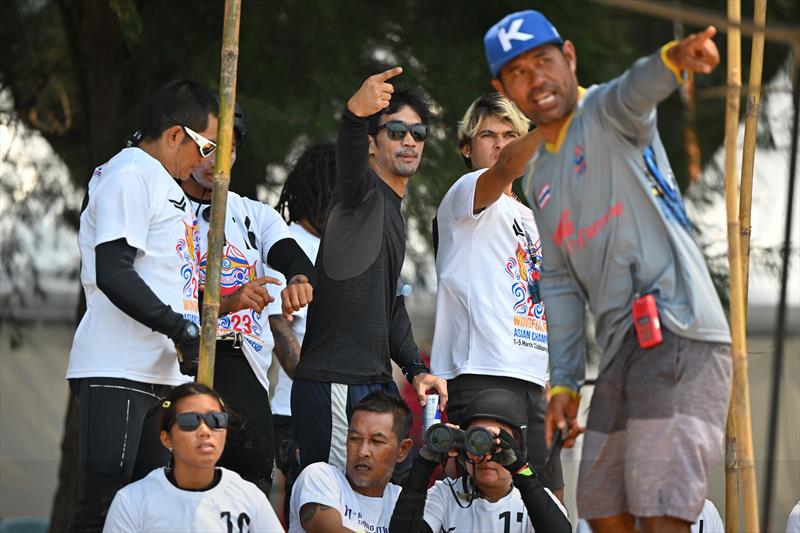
(405, 447)
(372, 146)
(174, 136)
(466, 150)
(498, 86)
(571, 55)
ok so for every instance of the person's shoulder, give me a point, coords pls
(321, 470)
(153, 482)
(233, 481)
(466, 180)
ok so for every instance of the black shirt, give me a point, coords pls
(356, 322)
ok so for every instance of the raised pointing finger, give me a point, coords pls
(391, 73)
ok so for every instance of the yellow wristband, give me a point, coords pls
(562, 389)
(680, 75)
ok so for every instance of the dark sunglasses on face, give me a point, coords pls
(397, 130)
(190, 421)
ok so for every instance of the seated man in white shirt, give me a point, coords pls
(326, 499)
(500, 492)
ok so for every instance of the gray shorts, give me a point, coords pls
(655, 430)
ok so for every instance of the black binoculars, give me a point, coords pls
(442, 438)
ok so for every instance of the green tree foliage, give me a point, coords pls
(80, 71)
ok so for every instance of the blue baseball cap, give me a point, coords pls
(517, 33)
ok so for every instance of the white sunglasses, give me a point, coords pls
(206, 146)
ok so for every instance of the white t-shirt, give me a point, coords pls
(327, 485)
(251, 228)
(282, 396)
(709, 521)
(155, 504)
(486, 320)
(793, 520)
(506, 515)
(133, 197)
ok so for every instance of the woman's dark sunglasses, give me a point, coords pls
(397, 130)
(189, 421)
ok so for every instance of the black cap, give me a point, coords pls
(497, 404)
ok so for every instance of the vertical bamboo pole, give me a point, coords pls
(752, 109)
(740, 396)
(219, 196)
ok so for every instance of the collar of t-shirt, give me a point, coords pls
(171, 477)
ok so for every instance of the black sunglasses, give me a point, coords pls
(189, 421)
(397, 130)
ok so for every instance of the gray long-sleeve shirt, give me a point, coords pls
(607, 235)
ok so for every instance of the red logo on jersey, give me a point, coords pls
(563, 236)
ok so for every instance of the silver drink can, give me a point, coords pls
(430, 413)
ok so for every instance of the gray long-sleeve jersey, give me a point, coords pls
(607, 234)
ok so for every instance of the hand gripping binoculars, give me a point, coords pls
(442, 438)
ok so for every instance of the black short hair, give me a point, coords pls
(308, 187)
(179, 102)
(190, 388)
(403, 95)
(381, 401)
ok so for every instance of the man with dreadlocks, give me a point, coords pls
(303, 204)
(500, 492)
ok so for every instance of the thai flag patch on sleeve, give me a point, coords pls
(544, 196)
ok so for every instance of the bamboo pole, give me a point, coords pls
(752, 110)
(219, 196)
(740, 394)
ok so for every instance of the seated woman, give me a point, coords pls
(192, 494)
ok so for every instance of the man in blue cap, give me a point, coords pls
(615, 235)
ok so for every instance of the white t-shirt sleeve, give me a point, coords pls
(122, 208)
(712, 522)
(793, 521)
(436, 506)
(271, 227)
(461, 197)
(122, 515)
(317, 484)
(275, 307)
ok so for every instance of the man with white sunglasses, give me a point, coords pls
(139, 270)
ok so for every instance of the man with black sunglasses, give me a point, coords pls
(139, 336)
(357, 324)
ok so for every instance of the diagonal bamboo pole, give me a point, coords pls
(740, 394)
(752, 110)
(219, 196)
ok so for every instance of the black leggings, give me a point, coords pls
(249, 447)
(119, 442)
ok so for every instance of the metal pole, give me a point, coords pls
(219, 196)
(780, 327)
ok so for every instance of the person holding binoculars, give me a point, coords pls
(499, 491)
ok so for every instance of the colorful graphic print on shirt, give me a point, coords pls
(187, 248)
(236, 271)
(530, 323)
